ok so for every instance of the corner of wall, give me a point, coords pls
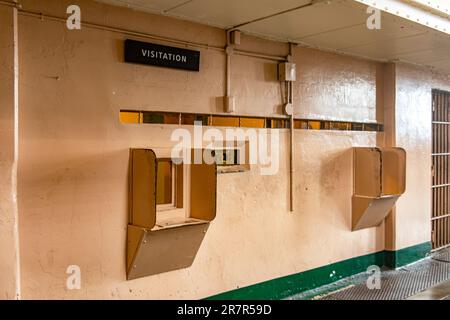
(399, 258)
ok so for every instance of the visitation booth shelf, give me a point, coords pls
(169, 215)
(379, 178)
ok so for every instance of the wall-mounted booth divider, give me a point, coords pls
(379, 178)
(171, 205)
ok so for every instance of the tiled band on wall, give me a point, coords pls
(156, 117)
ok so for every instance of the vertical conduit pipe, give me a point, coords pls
(228, 90)
(16, 150)
(229, 103)
(291, 101)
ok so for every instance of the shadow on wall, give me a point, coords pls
(336, 179)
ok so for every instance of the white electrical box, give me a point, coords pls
(286, 71)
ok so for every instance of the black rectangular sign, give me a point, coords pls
(162, 56)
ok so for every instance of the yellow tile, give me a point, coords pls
(252, 122)
(129, 117)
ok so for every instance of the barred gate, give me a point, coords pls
(440, 190)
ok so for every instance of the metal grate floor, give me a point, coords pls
(443, 256)
(401, 283)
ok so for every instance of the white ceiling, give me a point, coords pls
(408, 33)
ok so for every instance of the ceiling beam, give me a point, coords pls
(311, 3)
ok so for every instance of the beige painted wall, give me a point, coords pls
(413, 133)
(74, 159)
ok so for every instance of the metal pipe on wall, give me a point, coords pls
(97, 26)
(16, 151)
(259, 55)
(229, 103)
(13, 3)
(228, 89)
(291, 160)
(123, 31)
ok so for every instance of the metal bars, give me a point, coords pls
(440, 190)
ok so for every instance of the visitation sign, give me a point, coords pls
(162, 56)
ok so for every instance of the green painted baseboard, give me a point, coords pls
(287, 286)
(402, 257)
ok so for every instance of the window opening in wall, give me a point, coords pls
(227, 157)
(169, 188)
(174, 118)
(165, 183)
(232, 158)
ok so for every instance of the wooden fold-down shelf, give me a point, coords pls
(171, 205)
(379, 176)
